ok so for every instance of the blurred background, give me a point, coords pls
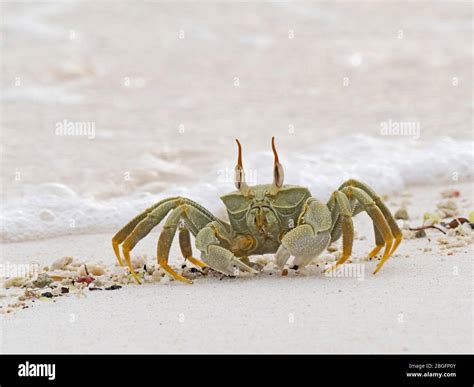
(108, 107)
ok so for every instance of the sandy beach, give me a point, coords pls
(420, 302)
(107, 110)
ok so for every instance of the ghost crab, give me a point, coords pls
(271, 218)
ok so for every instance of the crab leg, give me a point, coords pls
(346, 225)
(140, 226)
(186, 248)
(352, 200)
(379, 243)
(377, 217)
(336, 229)
(386, 212)
(143, 228)
(125, 231)
(192, 216)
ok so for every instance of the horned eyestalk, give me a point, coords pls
(239, 177)
(278, 173)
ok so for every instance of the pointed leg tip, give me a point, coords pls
(251, 270)
(135, 277)
(378, 267)
(180, 278)
(185, 280)
(395, 247)
(171, 273)
(243, 266)
(130, 268)
(331, 268)
(196, 262)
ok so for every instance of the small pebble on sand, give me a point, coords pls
(430, 219)
(61, 263)
(450, 193)
(46, 216)
(42, 281)
(449, 207)
(92, 270)
(420, 234)
(15, 282)
(401, 213)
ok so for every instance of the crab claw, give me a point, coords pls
(224, 261)
(281, 257)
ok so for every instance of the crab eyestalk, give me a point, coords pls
(278, 173)
(239, 177)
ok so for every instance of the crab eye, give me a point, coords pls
(278, 173)
(239, 177)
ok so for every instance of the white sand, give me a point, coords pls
(420, 302)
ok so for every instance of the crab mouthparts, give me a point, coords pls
(261, 221)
